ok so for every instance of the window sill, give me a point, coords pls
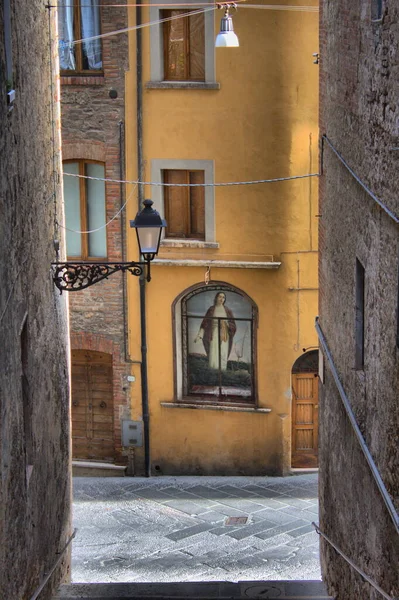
(185, 243)
(82, 79)
(219, 407)
(227, 264)
(182, 85)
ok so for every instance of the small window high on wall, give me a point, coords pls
(215, 345)
(78, 20)
(85, 210)
(359, 316)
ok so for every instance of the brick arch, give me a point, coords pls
(84, 150)
(92, 341)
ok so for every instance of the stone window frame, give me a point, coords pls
(157, 52)
(179, 396)
(157, 196)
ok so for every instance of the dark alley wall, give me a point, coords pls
(34, 380)
(359, 113)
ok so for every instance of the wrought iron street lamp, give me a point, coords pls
(76, 276)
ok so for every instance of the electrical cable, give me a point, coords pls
(191, 13)
(173, 6)
(360, 182)
(106, 224)
(229, 183)
(135, 27)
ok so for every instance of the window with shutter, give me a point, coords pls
(184, 205)
(184, 46)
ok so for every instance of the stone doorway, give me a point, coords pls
(305, 409)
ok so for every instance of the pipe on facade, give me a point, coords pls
(142, 281)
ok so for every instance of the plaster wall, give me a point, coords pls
(359, 91)
(34, 373)
(260, 124)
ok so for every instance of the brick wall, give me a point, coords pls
(92, 123)
(358, 96)
(34, 384)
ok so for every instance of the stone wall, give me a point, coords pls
(359, 89)
(93, 129)
(34, 379)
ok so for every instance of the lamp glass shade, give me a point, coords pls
(148, 225)
(149, 239)
(226, 39)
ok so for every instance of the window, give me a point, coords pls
(359, 319)
(376, 10)
(182, 50)
(215, 345)
(79, 19)
(189, 212)
(8, 53)
(85, 210)
(184, 46)
(184, 206)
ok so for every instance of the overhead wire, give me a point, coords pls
(116, 215)
(207, 8)
(222, 184)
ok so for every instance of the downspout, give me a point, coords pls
(142, 281)
(123, 237)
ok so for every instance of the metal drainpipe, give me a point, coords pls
(123, 238)
(142, 281)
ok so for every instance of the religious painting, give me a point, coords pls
(218, 344)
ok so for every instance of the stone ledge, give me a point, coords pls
(228, 264)
(219, 407)
(183, 243)
(181, 85)
(81, 468)
(283, 590)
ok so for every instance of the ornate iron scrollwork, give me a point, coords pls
(73, 277)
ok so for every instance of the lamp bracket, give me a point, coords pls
(76, 276)
(226, 6)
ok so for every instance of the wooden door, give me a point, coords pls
(305, 391)
(92, 406)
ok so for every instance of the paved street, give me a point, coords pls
(168, 529)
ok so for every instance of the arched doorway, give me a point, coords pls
(92, 406)
(305, 408)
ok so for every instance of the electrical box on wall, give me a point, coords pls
(132, 434)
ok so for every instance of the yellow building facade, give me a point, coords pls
(220, 372)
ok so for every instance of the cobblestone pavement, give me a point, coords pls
(168, 529)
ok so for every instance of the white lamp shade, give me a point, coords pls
(149, 238)
(227, 39)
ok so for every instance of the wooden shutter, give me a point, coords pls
(197, 206)
(184, 206)
(197, 47)
(184, 46)
(176, 205)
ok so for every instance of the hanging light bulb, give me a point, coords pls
(226, 37)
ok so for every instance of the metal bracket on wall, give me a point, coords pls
(73, 277)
